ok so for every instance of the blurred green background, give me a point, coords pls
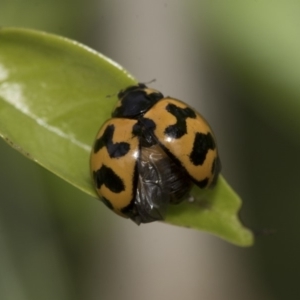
(238, 63)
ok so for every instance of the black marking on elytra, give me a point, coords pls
(202, 143)
(109, 178)
(216, 166)
(135, 102)
(107, 203)
(178, 129)
(114, 150)
(215, 170)
(213, 166)
(202, 183)
(144, 129)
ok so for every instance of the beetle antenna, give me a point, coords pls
(151, 81)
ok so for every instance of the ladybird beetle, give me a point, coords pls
(149, 154)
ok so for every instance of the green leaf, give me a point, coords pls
(213, 210)
(54, 96)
